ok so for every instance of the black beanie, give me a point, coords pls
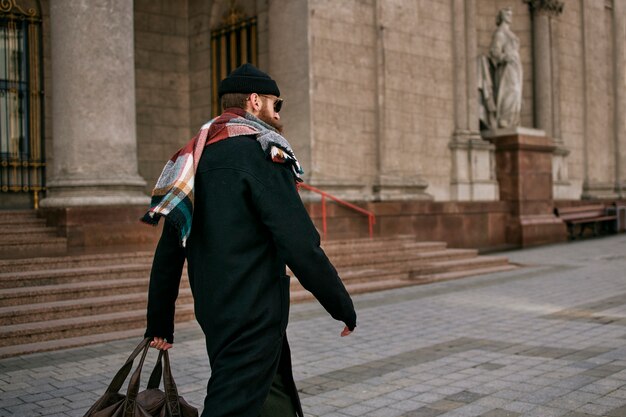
(248, 79)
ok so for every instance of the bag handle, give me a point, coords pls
(122, 374)
(171, 392)
(162, 369)
(133, 385)
(157, 372)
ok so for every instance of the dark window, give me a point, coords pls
(231, 46)
(21, 128)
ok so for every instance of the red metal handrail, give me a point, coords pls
(371, 217)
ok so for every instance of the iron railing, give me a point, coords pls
(371, 217)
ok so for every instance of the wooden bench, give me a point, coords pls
(592, 216)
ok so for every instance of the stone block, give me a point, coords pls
(162, 23)
(148, 78)
(149, 41)
(178, 45)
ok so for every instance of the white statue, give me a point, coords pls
(500, 77)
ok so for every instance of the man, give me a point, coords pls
(233, 211)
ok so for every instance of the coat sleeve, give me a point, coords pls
(298, 243)
(167, 268)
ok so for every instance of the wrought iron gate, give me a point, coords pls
(232, 45)
(22, 161)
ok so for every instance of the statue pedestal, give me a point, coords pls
(524, 173)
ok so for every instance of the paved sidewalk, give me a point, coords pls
(545, 340)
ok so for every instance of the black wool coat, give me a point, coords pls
(248, 222)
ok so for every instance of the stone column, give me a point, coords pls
(544, 13)
(547, 109)
(473, 170)
(619, 24)
(93, 105)
(598, 119)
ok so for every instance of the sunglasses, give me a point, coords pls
(278, 103)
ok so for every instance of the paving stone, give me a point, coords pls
(544, 411)
(595, 409)
(500, 413)
(464, 397)
(617, 412)
(424, 412)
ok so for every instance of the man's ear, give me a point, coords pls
(254, 102)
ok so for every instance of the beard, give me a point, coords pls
(265, 115)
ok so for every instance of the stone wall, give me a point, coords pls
(162, 79)
(419, 98)
(199, 63)
(382, 98)
(343, 96)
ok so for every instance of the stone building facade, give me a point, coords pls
(381, 100)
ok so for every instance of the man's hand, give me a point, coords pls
(160, 343)
(345, 332)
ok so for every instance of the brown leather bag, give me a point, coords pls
(149, 403)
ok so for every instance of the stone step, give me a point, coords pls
(75, 261)
(368, 245)
(17, 334)
(31, 249)
(355, 276)
(458, 265)
(17, 216)
(401, 250)
(22, 222)
(83, 306)
(367, 241)
(71, 275)
(357, 288)
(409, 258)
(387, 256)
(69, 342)
(49, 293)
(445, 276)
(22, 232)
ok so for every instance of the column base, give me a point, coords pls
(76, 193)
(340, 189)
(599, 191)
(98, 228)
(473, 168)
(401, 189)
(562, 188)
(474, 191)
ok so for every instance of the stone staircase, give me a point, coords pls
(24, 234)
(57, 302)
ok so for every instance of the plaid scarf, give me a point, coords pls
(172, 196)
